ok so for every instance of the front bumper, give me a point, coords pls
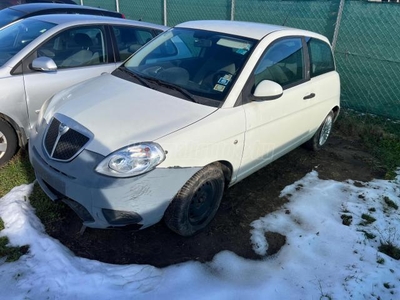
(102, 201)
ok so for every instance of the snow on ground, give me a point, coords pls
(322, 258)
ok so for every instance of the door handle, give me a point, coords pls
(310, 96)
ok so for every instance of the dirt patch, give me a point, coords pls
(254, 197)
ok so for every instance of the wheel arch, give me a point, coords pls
(21, 135)
(336, 111)
(227, 169)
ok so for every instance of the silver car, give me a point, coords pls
(43, 55)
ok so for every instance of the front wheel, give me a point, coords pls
(197, 202)
(8, 142)
(321, 136)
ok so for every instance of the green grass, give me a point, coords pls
(18, 171)
(390, 250)
(49, 212)
(380, 260)
(368, 235)
(380, 136)
(389, 202)
(368, 219)
(12, 253)
(346, 219)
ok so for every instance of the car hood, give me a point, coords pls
(120, 113)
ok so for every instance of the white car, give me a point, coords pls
(195, 111)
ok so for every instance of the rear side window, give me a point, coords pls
(76, 47)
(130, 39)
(321, 59)
(282, 63)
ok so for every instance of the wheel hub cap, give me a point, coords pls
(3, 144)
(325, 131)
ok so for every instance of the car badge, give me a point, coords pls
(62, 129)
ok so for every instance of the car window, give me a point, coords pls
(282, 63)
(321, 59)
(197, 65)
(81, 46)
(18, 35)
(130, 39)
(9, 15)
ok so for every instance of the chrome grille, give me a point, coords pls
(63, 143)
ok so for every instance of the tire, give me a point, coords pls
(8, 142)
(321, 136)
(197, 202)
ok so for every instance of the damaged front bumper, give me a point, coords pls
(102, 201)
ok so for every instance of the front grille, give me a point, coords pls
(63, 145)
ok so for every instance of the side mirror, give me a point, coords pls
(267, 90)
(44, 64)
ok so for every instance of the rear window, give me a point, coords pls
(9, 15)
(321, 59)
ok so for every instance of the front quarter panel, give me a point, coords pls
(218, 137)
(12, 100)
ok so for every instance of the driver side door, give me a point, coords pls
(274, 127)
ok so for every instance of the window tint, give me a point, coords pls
(8, 15)
(282, 63)
(130, 39)
(76, 47)
(17, 36)
(321, 59)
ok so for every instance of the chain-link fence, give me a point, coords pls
(367, 46)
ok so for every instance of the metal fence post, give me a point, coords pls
(117, 5)
(165, 12)
(232, 10)
(337, 25)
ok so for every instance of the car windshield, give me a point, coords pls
(196, 65)
(16, 36)
(9, 15)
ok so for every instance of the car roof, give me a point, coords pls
(29, 8)
(77, 19)
(246, 29)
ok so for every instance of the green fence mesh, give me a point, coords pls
(145, 10)
(106, 4)
(367, 49)
(368, 57)
(184, 10)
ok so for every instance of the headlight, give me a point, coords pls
(132, 160)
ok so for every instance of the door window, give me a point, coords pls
(130, 39)
(321, 59)
(282, 63)
(82, 46)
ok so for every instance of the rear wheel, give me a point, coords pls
(321, 136)
(8, 142)
(197, 202)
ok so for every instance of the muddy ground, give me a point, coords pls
(342, 158)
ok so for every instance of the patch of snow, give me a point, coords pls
(322, 258)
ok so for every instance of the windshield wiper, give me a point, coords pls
(134, 75)
(174, 87)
